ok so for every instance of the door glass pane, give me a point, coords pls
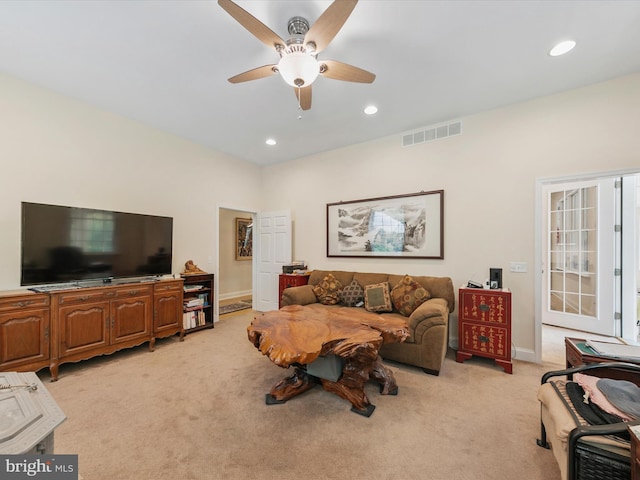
(589, 305)
(590, 262)
(571, 303)
(588, 285)
(572, 283)
(557, 281)
(572, 250)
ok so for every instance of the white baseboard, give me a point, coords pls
(226, 296)
(522, 354)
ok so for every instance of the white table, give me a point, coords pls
(28, 415)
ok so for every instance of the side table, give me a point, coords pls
(578, 353)
(484, 325)
(28, 415)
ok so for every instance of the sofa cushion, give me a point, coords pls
(377, 297)
(352, 294)
(328, 290)
(408, 295)
(344, 278)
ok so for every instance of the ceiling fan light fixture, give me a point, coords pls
(298, 69)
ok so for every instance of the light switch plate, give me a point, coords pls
(518, 267)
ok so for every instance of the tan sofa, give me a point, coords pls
(428, 324)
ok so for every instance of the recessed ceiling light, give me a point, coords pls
(562, 48)
(371, 109)
(270, 141)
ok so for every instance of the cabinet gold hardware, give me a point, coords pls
(22, 304)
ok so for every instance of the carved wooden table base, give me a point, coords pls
(297, 335)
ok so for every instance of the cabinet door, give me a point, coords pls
(484, 340)
(130, 319)
(24, 338)
(486, 306)
(167, 312)
(83, 327)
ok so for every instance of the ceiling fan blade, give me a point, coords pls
(251, 23)
(329, 23)
(345, 72)
(304, 97)
(255, 74)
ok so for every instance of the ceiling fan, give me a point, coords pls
(299, 65)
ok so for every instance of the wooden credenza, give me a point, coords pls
(25, 330)
(47, 329)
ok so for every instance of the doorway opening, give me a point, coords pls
(578, 239)
(234, 278)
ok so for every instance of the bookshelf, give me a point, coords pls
(197, 302)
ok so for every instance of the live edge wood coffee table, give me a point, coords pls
(296, 336)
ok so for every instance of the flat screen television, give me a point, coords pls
(67, 244)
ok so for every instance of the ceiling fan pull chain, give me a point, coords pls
(299, 106)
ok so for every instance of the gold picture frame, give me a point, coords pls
(244, 239)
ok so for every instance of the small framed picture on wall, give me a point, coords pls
(244, 239)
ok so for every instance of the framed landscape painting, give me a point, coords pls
(401, 226)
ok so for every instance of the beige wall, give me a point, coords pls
(57, 150)
(234, 275)
(489, 175)
(60, 151)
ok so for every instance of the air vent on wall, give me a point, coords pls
(431, 133)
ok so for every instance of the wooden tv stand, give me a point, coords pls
(47, 329)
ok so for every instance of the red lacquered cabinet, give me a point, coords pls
(289, 280)
(484, 325)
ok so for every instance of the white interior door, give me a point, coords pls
(631, 255)
(272, 250)
(579, 241)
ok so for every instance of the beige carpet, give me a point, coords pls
(196, 410)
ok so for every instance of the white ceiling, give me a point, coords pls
(165, 63)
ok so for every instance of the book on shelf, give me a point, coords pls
(186, 320)
(618, 351)
(192, 288)
(193, 319)
(194, 302)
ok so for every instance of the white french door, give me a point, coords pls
(579, 284)
(272, 250)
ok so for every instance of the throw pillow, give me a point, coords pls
(328, 290)
(408, 295)
(352, 294)
(377, 298)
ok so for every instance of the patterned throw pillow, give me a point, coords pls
(352, 294)
(328, 290)
(408, 295)
(376, 297)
